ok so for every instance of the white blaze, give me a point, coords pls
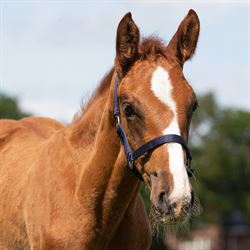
(162, 89)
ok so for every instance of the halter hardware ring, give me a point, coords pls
(130, 160)
(130, 165)
(117, 120)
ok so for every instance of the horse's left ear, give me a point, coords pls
(127, 42)
(183, 43)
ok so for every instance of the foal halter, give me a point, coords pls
(148, 146)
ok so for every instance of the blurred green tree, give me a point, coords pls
(9, 108)
(220, 141)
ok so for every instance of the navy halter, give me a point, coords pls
(148, 146)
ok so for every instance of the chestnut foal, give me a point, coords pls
(71, 187)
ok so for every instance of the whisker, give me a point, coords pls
(191, 172)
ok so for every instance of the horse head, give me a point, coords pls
(155, 99)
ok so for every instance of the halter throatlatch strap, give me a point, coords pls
(148, 146)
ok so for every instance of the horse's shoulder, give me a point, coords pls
(40, 126)
(8, 127)
(31, 126)
(41, 123)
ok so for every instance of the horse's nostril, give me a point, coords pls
(174, 205)
(163, 202)
(162, 197)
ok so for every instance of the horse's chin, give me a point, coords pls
(173, 219)
(160, 219)
(166, 219)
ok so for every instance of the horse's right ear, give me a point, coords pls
(127, 42)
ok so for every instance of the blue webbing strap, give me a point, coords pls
(128, 151)
(156, 142)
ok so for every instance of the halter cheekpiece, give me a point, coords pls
(148, 146)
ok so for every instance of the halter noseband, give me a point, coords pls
(148, 146)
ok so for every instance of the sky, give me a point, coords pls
(54, 53)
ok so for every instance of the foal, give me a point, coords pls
(70, 188)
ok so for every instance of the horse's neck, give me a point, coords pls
(84, 129)
(104, 182)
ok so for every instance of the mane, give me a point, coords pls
(149, 47)
(104, 84)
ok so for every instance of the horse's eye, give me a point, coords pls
(128, 110)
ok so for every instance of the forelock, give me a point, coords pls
(151, 47)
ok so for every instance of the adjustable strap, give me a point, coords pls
(128, 151)
(157, 142)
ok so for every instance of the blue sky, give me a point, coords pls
(54, 53)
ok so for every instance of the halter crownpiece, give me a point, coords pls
(148, 146)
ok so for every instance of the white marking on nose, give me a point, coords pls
(162, 89)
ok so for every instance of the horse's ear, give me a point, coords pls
(184, 42)
(127, 42)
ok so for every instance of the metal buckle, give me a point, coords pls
(117, 120)
(130, 164)
(130, 161)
